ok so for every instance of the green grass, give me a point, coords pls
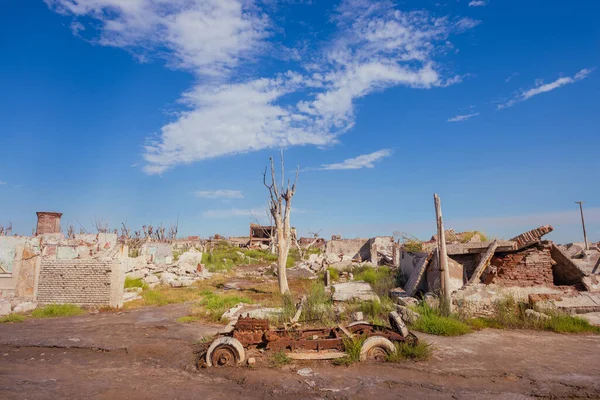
(279, 359)
(568, 324)
(188, 319)
(133, 283)
(377, 312)
(420, 352)
(12, 318)
(334, 274)
(433, 322)
(57, 310)
(352, 348)
(382, 279)
(469, 235)
(260, 255)
(509, 313)
(318, 307)
(215, 304)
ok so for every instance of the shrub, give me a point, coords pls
(12, 318)
(413, 246)
(57, 310)
(568, 324)
(132, 283)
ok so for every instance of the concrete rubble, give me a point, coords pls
(357, 290)
(485, 272)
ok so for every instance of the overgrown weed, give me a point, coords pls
(57, 310)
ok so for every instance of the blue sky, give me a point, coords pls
(144, 110)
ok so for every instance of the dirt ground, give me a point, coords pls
(146, 354)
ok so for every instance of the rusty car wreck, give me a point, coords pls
(248, 334)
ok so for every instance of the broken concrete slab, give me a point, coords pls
(414, 281)
(591, 283)
(473, 248)
(354, 290)
(150, 279)
(25, 307)
(565, 270)
(531, 237)
(593, 318)
(4, 308)
(407, 314)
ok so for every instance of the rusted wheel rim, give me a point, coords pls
(377, 353)
(224, 356)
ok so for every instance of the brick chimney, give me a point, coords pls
(48, 222)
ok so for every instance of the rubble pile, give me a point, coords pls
(183, 272)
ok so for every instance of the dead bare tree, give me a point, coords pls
(71, 232)
(280, 206)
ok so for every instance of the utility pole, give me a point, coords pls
(446, 300)
(583, 224)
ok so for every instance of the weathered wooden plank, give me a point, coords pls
(485, 261)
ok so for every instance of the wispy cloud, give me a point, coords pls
(477, 3)
(235, 212)
(374, 46)
(362, 161)
(514, 74)
(219, 194)
(3, 183)
(543, 88)
(459, 118)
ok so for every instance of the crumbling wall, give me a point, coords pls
(19, 266)
(352, 248)
(531, 267)
(85, 282)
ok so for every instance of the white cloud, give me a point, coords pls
(235, 212)
(219, 194)
(543, 88)
(459, 118)
(3, 183)
(362, 161)
(477, 3)
(375, 46)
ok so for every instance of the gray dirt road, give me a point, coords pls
(145, 354)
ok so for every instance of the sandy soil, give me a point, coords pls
(146, 354)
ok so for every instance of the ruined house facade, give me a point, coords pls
(48, 268)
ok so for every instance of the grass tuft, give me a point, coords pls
(215, 304)
(352, 348)
(57, 310)
(279, 359)
(420, 352)
(12, 318)
(431, 321)
(188, 319)
(133, 283)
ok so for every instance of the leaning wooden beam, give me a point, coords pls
(417, 275)
(485, 261)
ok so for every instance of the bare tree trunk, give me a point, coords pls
(280, 206)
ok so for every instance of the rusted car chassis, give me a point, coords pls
(250, 333)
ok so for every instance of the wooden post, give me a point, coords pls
(446, 300)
